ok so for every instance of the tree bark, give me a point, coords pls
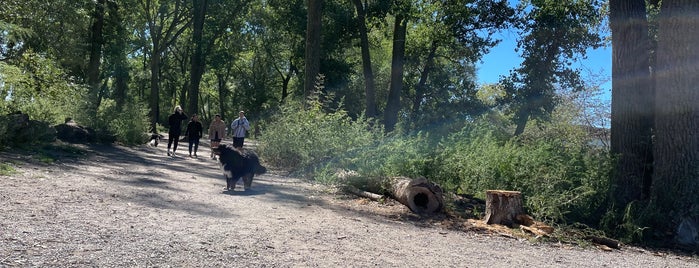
(96, 43)
(393, 102)
(420, 87)
(370, 91)
(313, 26)
(632, 101)
(676, 150)
(198, 64)
(502, 207)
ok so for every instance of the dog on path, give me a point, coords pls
(237, 163)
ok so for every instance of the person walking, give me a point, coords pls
(194, 132)
(217, 130)
(175, 121)
(239, 126)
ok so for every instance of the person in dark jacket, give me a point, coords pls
(194, 132)
(175, 121)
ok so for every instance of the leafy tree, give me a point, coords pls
(553, 33)
(165, 21)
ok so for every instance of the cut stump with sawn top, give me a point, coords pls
(502, 207)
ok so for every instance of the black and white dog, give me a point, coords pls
(237, 163)
(155, 139)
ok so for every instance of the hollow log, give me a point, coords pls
(420, 195)
(502, 207)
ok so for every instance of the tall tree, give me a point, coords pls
(313, 28)
(397, 61)
(165, 22)
(632, 101)
(370, 91)
(555, 32)
(198, 63)
(95, 58)
(676, 149)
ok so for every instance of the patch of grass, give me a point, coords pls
(7, 169)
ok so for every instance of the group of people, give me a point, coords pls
(195, 130)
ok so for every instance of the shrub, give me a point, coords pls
(301, 139)
(561, 180)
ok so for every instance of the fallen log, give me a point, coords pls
(419, 195)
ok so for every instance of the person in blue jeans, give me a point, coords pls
(239, 126)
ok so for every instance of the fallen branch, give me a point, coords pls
(612, 243)
(370, 195)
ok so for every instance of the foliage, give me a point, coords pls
(7, 170)
(561, 179)
(37, 86)
(298, 138)
(129, 126)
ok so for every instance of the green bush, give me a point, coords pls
(129, 126)
(304, 139)
(561, 180)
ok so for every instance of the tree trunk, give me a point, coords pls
(312, 46)
(155, 89)
(676, 150)
(96, 43)
(116, 53)
(420, 87)
(396, 87)
(632, 101)
(502, 207)
(199, 13)
(370, 91)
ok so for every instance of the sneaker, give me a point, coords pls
(168, 153)
(195, 155)
(173, 154)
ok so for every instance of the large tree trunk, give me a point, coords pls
(676, 169)
(370, 91)
(393, 103)
(312, 46)
(632, 101)
(199, 13)
(96, 43)
(118, 55)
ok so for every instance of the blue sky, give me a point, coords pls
(503, 58)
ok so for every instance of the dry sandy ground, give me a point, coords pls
(136, 207)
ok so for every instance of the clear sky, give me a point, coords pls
(503, 58)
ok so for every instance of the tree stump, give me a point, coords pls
(502, 207)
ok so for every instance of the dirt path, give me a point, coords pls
(137, 207)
